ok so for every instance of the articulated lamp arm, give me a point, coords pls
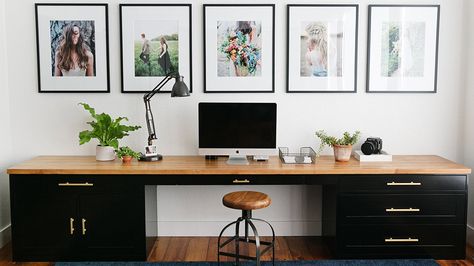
(179, 90)
(150, 123)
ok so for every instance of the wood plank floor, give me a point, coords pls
(205, 249)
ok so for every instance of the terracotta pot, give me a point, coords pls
(104, 153)
(127, 159)
(342, 153)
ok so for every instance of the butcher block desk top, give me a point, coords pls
(198, 165)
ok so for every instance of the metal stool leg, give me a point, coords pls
(257, 241)
(219, 238)
(247, 218)
(273, 237)
(237, 250)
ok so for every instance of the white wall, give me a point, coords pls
(408, 123)
(468, 129)
(5, 137)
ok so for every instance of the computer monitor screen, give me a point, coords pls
(237, 128)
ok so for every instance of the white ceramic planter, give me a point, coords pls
(342, 153)
(104, 153)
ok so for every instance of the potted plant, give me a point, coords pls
(342, 147)
(127, 154)
(107, 131)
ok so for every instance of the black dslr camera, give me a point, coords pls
(372, 146)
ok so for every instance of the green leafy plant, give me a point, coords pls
(105, 129)
(127, 151)
(347, 139)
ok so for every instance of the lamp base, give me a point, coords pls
(153, 158)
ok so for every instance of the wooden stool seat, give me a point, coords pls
(246, 200)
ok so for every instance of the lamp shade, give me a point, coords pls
(180, 89)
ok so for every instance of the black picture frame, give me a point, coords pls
(188, 78)
(206, 79)
(42, 53)
(355, 45)
(370, 39)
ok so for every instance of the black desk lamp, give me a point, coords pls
(179, 90)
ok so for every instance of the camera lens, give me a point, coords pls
(368, 148)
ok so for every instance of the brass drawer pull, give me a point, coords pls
(67, 184)
(389, 240)
(402, 210)
(237, 181)
(71, 226)
(84, 226)
(404, 184)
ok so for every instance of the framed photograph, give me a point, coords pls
(155, 41)
(402, 48)
(322, 48)
(239, 48)
(72, 47)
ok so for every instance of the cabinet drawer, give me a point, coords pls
(86, 184)
(438, 241)
(225, 179)
(402, 183)
(403, 208)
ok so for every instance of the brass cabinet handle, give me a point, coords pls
(84, 226)
(388, 240)
(237, 181)
(67, 184)
(71, 226)
(402, 210)
(404, 184)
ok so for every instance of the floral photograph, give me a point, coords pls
(239, 45)
(403, 49)
(321, 49)
(156, 47)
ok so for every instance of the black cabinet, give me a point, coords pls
(57, 218)
(399, 216)
(102, 217)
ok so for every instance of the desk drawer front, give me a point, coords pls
(401, 235)
(86, 184)
(400, 241)
(225, 179)
(402, 183)
(403, 208)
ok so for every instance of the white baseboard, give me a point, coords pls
(212, 228)
(5, 235)
(470, 235)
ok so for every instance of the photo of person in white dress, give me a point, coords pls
(321, 49)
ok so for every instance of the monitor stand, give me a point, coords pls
(237, 160)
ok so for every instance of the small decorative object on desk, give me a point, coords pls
(306, 155)
(342, 147)
(383, 156)
(127, 154)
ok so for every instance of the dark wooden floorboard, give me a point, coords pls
(205, 249)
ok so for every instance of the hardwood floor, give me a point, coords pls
(205, 249)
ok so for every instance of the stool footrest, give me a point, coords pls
(235, 256)
(227, 242)
(242, 239)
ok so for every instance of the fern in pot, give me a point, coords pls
(127, 154)
(107, 131)
(342, 147)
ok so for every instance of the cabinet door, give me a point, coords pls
(44, 227)
(112, 225)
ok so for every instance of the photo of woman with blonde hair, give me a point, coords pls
(73, 56)
(317, 49)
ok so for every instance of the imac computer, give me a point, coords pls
(237, 130)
